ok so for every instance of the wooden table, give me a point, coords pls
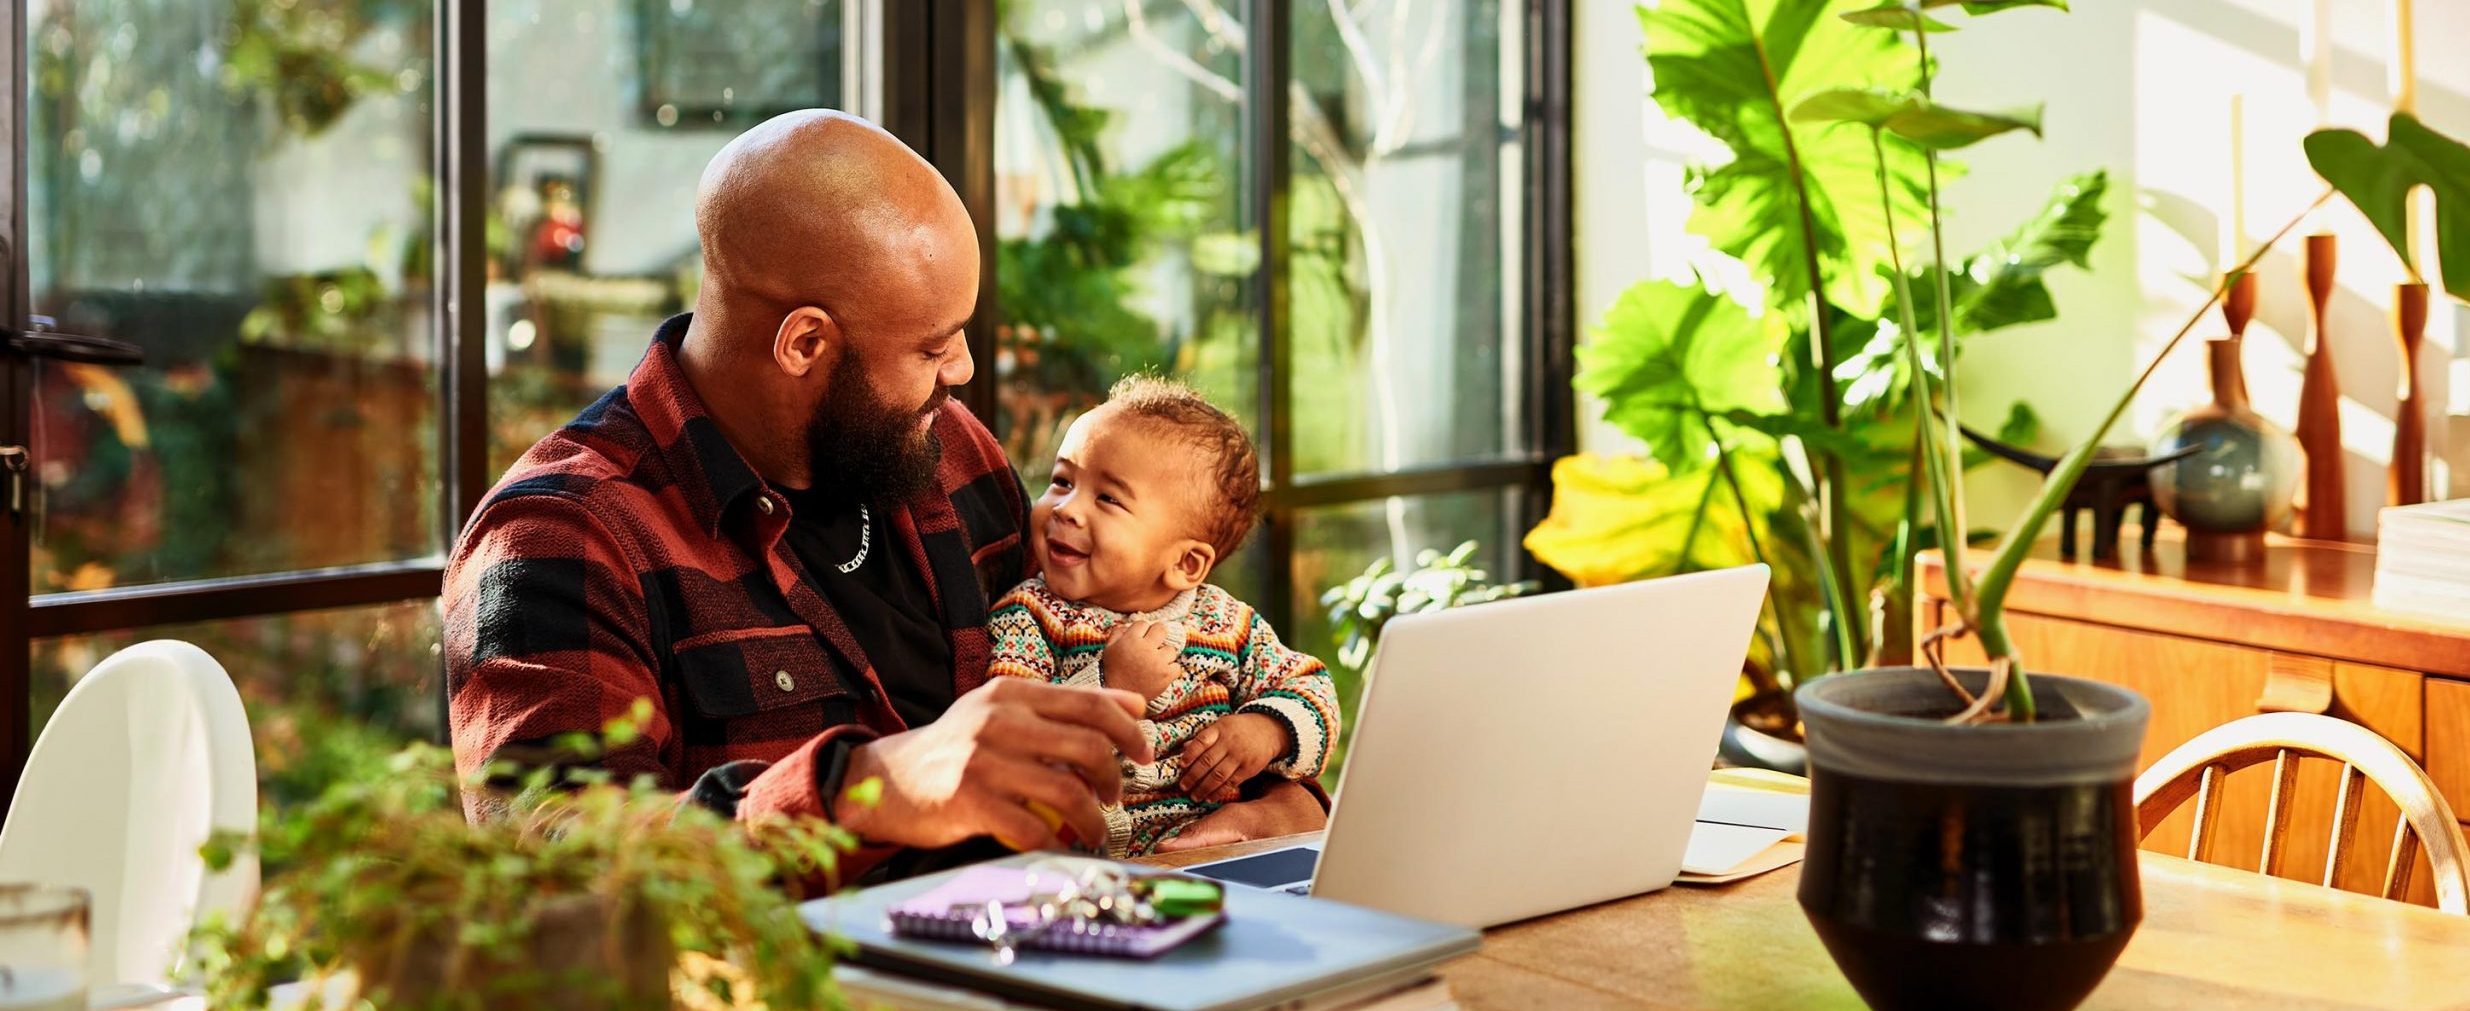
(2212, 938)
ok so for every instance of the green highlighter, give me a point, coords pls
(1176, 898)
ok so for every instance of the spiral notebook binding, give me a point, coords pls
(1079, 937)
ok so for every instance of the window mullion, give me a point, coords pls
(461, 252)
(1267, 72)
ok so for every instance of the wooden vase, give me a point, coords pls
(2408, 473)
(2319, 406)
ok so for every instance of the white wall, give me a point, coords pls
(1622, 206)
(2142, 88)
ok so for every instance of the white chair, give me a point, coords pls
(148, 754)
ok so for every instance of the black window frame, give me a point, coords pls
(938, 84)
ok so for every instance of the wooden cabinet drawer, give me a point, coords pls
(2448, 741)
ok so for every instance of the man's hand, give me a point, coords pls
(1140, 658)
(1286, 809)
(1236, 748)
(975, 771)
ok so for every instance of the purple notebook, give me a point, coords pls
(949, 912)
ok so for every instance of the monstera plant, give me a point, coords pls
(1782, 426)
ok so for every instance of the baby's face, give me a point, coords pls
(1120, 512)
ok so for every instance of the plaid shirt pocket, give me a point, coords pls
(758, 685)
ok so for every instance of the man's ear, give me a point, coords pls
(1192, 562)
(807, 338)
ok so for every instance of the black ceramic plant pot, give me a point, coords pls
(1970, 866)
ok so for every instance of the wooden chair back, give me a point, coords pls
(2197, 768)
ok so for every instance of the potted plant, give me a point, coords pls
(1779, 425)
(586, 895)
(1972, 832)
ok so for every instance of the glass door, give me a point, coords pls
(270, 207)
(241, 198)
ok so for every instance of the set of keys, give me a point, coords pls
(1093, 898)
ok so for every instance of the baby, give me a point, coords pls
(1151, 490)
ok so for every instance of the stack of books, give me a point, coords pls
(2423, 559)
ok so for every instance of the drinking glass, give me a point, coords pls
(42, 948)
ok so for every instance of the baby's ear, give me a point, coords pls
(1193, 560)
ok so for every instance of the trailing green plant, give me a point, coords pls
(1786, 429)
(385, 872)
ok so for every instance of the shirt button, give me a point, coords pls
(786, 683)
(764, 503)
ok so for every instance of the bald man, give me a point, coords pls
(782, 535)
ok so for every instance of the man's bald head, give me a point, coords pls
(821, 208)
(838, 271)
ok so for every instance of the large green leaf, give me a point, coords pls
(1871, 107)
(1945, 129)
(1732, 68)
(1994, 6)
(1617, 518)
(2379, 181)
(1901, 17)
(1668, 356)
(1912, 116)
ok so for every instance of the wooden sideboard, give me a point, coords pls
(2210, 644)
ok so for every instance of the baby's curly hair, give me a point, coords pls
(1234, 469)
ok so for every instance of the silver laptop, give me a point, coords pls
(1530, 755)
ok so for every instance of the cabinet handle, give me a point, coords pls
(2297, 684)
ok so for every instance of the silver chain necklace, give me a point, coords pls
(866, 539)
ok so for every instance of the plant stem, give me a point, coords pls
(1893, 646)
(1829, 472)
(1922, 418)
(1952, 528)
(1791, 656)
(1990, 622)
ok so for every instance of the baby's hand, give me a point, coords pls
(1226, 754)
(1140, 658)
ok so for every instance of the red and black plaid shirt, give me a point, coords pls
(633, 555)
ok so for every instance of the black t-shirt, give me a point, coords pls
(884, 600)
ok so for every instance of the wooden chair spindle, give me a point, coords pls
(2345, 824)
(2277, 811)
(2403, 862)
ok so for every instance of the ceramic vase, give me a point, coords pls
(2243, 477)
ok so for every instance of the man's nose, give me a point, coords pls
(958, 371)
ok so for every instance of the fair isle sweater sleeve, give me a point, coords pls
(1021, 646)
(1293, 687)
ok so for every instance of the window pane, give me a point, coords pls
(1334, 544)
(241, 189)
(329, 693)
(601, 117)
(1404, 218)
(1123, 247)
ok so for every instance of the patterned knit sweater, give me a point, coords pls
(1231, 662)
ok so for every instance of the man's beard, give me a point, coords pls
(864, 449)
